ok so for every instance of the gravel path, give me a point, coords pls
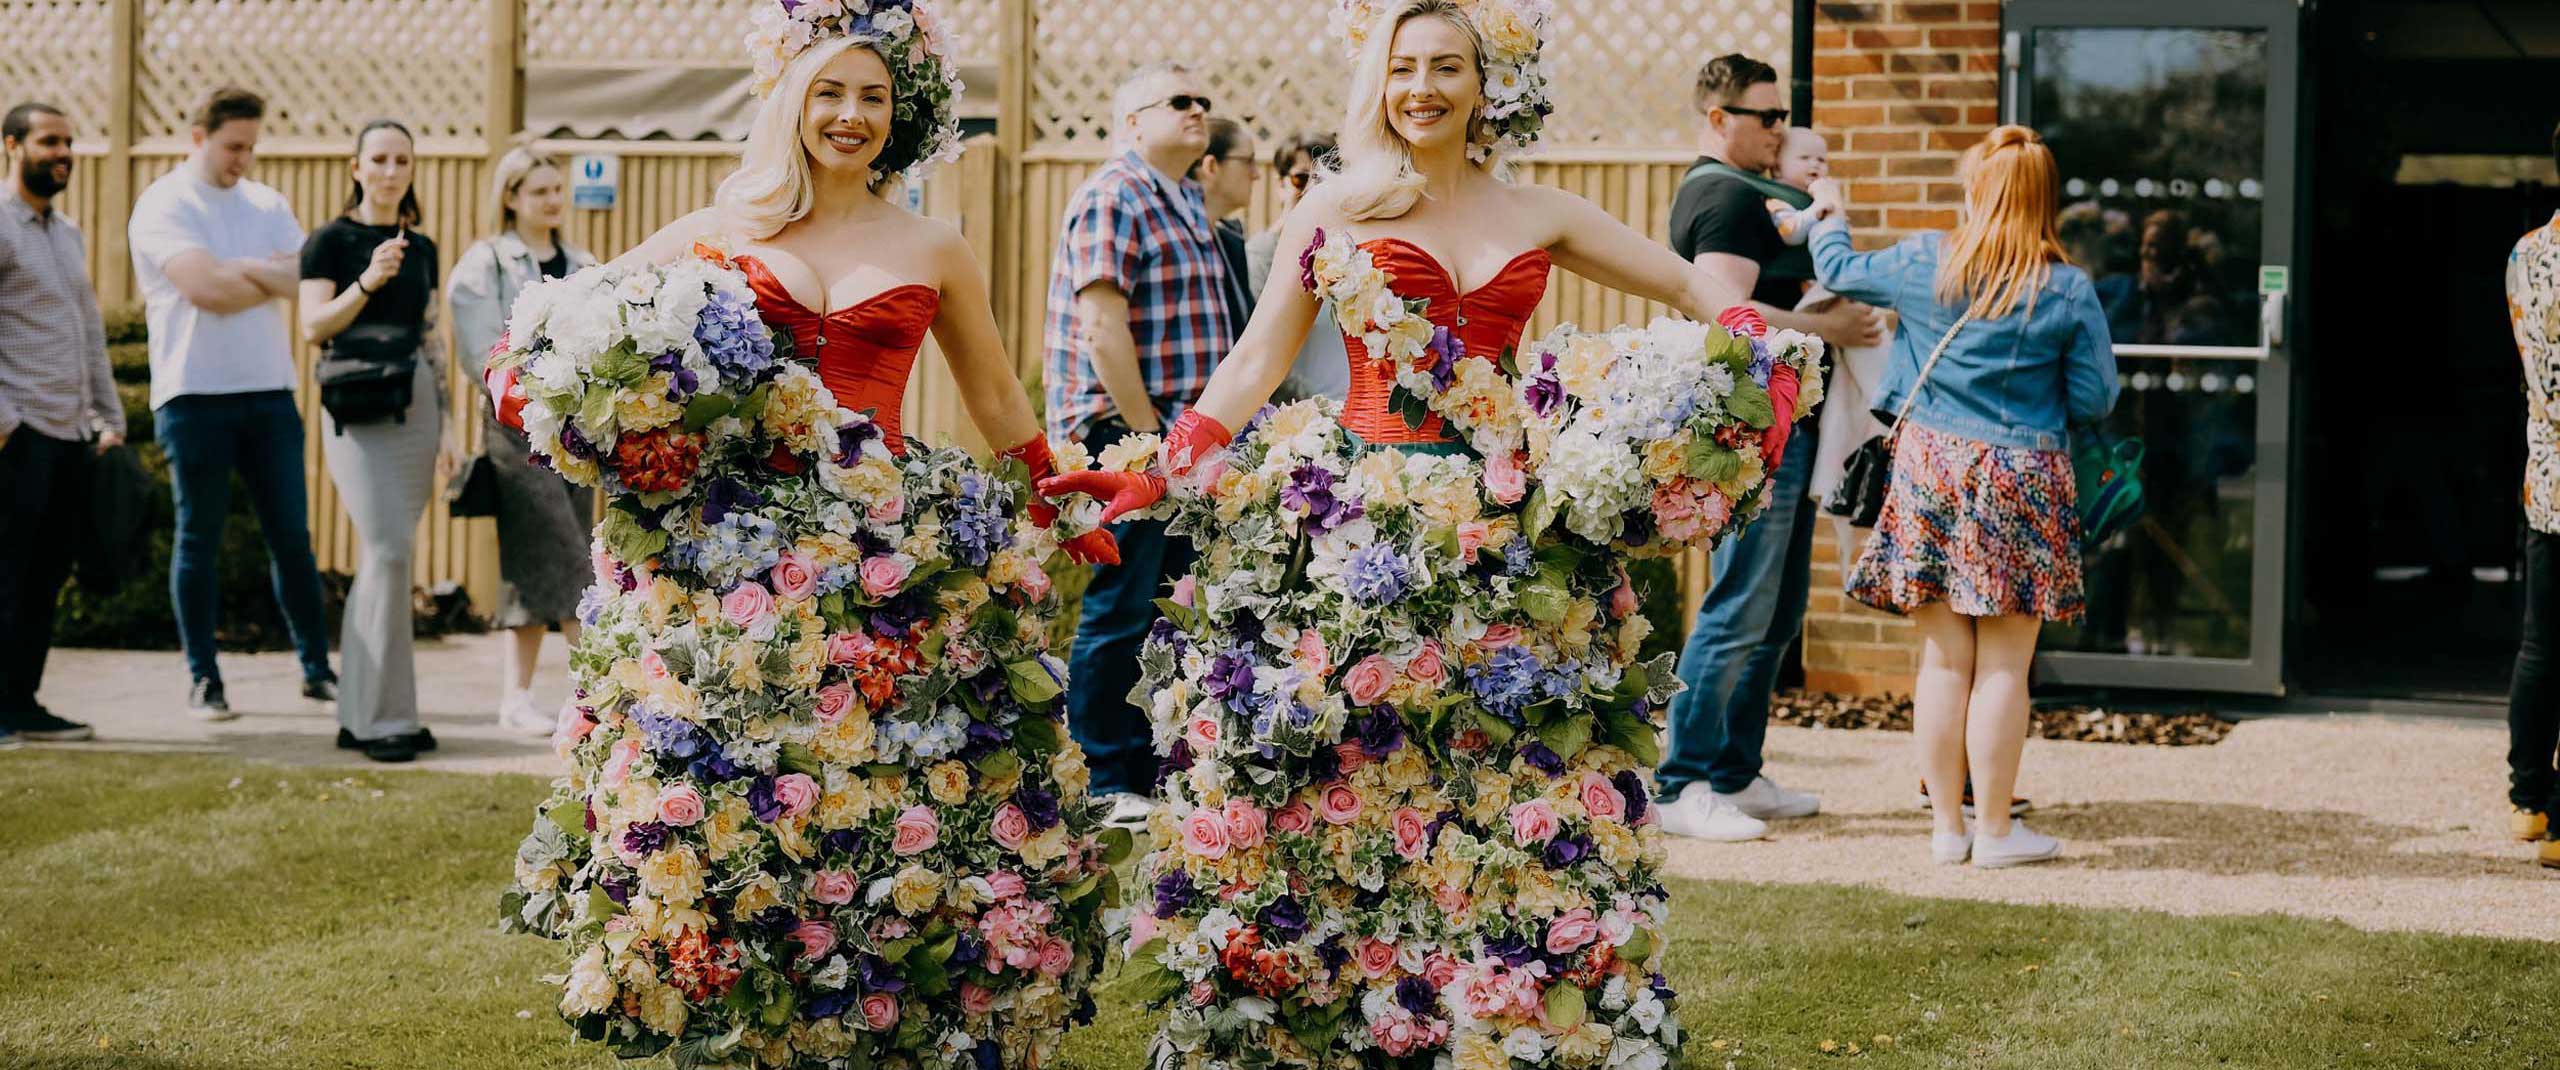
(2377, 822)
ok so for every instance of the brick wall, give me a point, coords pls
(1900, 87)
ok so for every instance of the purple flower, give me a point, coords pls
(734, 339)
(850, 437)
(1285, 918)
(841, 841)
(1541, 759)
(1174, 891)
(1632, 787)
(1446, 351)
(1512, 950)
(834, 1004)
(1506, 683)
(1230, 676)
(760, 800)
(1375, 575)
(1416, 995)
(725, 496)
(875, 975)
(1564, 851)
(1307, 262)
(645, 838)
(575, 443)
(1039, 806)
(1545, 393)
(1381, 733)
(681, 382)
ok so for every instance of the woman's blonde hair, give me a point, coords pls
(513, 168)
(1374, 174)
(772, 187)
(2008, 241)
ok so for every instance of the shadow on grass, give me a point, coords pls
(17, 1058)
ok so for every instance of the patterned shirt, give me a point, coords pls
(2533, 306)
(54, 377)
(1134, 229)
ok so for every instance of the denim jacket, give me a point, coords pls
(2018, 381)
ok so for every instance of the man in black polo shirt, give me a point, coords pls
(1755, 606)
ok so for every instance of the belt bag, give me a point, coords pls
(367, 373)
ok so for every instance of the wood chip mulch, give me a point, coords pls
(2085, 724)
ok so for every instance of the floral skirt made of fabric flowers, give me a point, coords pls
(820, 812)
(1988, 530)
(1404, 812)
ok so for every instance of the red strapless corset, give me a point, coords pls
(1487, 320)
(863, 351)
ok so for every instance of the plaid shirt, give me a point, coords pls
(54, 378)
(1131, 228)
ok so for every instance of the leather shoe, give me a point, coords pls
(321, 690)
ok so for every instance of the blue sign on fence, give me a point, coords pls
(594, 180)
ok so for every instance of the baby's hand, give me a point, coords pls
(1793, 225)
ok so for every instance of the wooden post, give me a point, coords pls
(503, 116)
(115, 191)
(506, 78)
(1013, 139)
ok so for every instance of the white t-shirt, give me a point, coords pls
(194, 351)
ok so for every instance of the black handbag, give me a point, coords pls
(367, 373)
(1869, 472)
(474, 491)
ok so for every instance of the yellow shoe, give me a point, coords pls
(2550, 854)
(2528, 825)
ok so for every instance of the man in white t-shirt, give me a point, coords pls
(214, 252)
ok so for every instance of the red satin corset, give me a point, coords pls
(863, 351)
(1487, 320)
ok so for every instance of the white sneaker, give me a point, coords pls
(2021, 846)
(1765, 800)
(1130, 810)
(1701, 814)
(1950, 848)
(517, 713)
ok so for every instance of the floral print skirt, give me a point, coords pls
(1989, 530)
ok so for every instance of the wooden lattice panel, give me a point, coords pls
(59, 54)
(1623, 69)
(326, 67)
(709, 33)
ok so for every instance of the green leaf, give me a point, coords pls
(705, 409)
(1031, 681)
(569, 815)
(1545, 601)
(1750, 404)
(1118, 843)
(752, 406)
(1729, 349)
(1705, 460)
(1147, 978)
(798, 758)
(595, 415)
(1565, 1007)
(1076, 892)
(621, 364)
(1496, 729)
(1317, 1028)
(1184, 617)
(628, 541)
(1541, 513)
(1566, 736)
(1038, 735)
(1639, 947)
(999, 764)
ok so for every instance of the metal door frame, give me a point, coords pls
(2262, 671)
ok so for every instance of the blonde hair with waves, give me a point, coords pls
(2009, 239)
(1374, 174)
(772, 187)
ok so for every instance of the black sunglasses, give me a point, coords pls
(1298, 179)
(1184, 102)
(1770, 118)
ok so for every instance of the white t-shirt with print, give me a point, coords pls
(194, 351)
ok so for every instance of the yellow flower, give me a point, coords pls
(645, 407)
(844, 804)
(590, 988)
(1492, 806)
(1132, 453)
(1480, 1051)
(746, 671)
(726, 830)
(1583, 1045)
(662, 1009)
(674, 875)
(759, 895)
(1287, 421)
(947, 782)
(1663, 459)
(915, 890)
(1584, 363)
(1068, 769)
(1616, 842)
(1046, 847)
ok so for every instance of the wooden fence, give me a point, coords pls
(129, 70)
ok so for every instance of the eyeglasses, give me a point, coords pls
(1298, 180)
(1770, 118)
(1183, 102)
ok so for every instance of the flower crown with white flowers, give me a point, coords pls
(909, 36)
(1517, 101)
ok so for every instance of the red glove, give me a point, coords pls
(1782, 405)
(504, 392)
(1193, 437)
(1743, 320)
(1092, 547)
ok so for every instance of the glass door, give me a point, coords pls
(2172, 122)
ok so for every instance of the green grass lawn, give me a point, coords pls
(160, 912)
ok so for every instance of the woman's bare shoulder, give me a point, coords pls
(674, 239)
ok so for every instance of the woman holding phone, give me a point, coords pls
(366, 276)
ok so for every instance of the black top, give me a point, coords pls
(558, 266)
(339, 252)
(1721, 214)
(1239, 297)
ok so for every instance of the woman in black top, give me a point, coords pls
(368, 269)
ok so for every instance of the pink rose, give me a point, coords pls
(1035, 582)
(746, 604)
(1471, 537)
(1202, 734)
(833, 887)
(1055, 958)
(1142, 928)
(976, 999)
(1622, 599)
(1497, 636)
(880, 1011)
(1295, 817)
(1534, 822)
(1245, 824)
(680, 805)
(1483, 992)
(1503, 478)
(1186, 589)
(816, 938)
(793, 576)
(1351, 755)
(1010, 828)
(796, 792)
(1601, 799)
(617, 768)
(1396, 1034)
(1339, 805)
(917, 830)
(1439, 969)
(882, 575)
(1312, 652)
(1004, 884)
(1204, 833)
(1413, 833)
(888, 510)
(845, 648)
(1425, 667)
(654, 666)
(1376, 956)
(1572, 931)
(833, 700)
(1367, 682)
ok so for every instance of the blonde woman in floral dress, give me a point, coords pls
(1408, 830)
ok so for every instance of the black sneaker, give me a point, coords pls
(39, 725)
(391, 749)
(324, 689)
(205, 701)
(420, 740)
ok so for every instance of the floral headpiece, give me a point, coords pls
(1515, 83)
(909, 34)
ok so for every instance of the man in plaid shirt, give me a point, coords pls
(1137, 320)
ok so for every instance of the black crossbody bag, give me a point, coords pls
(367, 374)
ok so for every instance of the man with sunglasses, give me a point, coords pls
(1710, 780)
(1320, 368)
(1137, 319)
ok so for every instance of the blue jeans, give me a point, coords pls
(1753, 610)
(1102, 666)
(258, 435)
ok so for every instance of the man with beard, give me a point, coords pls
(58, 407)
